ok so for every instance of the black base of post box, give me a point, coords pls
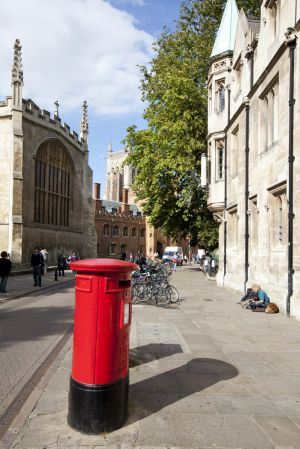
(94, 409)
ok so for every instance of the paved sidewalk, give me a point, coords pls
(22, 284)
(204, 374)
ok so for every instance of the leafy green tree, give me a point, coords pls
(167, 153)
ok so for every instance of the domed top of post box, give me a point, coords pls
(103, 266)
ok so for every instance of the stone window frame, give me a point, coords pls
(278, 205)
(273, 8)
(220, 95)
(233, 228)
(269, 114)
(133, 232)
(238, 77)
(142, 233)
(53, 186)
(106, 230)
(116, 231)
(125, 231)
(220, 155)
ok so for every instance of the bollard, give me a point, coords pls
(55, 275)
(99, 382)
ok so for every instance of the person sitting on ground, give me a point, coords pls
(262, 298)
(250, 294)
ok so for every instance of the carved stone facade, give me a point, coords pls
(46, 182)
(250, 139)
(118, 177)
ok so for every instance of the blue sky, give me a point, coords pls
(75, 50)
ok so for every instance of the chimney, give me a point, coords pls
(125, 196)
(96, 196)
(97, 187)
(125, 205)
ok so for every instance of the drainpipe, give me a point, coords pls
(291, 41)
(225, 179)
(247, 149)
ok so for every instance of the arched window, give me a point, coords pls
(54, 176)
(133, 232)
(106, 229)
(116, 230)
(142, 232)
(125, 231)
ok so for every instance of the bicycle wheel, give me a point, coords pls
(145, 292)
(162, 297)
(174, 293)
(135, 292)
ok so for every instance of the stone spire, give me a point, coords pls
(109, 149)
(227, 31)
(84, 125)
(17, 70)
(17, 76)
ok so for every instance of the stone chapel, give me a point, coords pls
(46, 181)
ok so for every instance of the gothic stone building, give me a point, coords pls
(46, 182)
(253, 149)
(120, 223)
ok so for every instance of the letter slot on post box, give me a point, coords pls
(99, 384)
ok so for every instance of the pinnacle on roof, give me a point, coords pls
(17, 70)
(109, 150)
(84, 124)
(226, 34)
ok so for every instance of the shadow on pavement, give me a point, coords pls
(152, 351)
(32, 321)
(151, 395)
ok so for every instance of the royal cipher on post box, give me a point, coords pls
(99, 384)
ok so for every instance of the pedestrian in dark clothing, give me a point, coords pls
(5, 269)
(37, 264)
(61, 263)
(123, 256)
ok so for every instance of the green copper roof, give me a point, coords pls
(227, 30)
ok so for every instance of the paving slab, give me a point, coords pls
(201, 377)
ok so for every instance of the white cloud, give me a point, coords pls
(131, 2)
(75, 50)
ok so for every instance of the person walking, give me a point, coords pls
(37, 263)
(73, 258)
(61, 263)
(175, 261)
(44, 253)
(5, 269)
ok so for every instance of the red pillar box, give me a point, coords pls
(98, 396)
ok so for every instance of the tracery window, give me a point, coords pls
(142, 232)
(133, 232)
(53, 185)
(125, 231)
(219, 160)
(220, 96)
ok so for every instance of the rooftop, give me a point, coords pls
(226, 34)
